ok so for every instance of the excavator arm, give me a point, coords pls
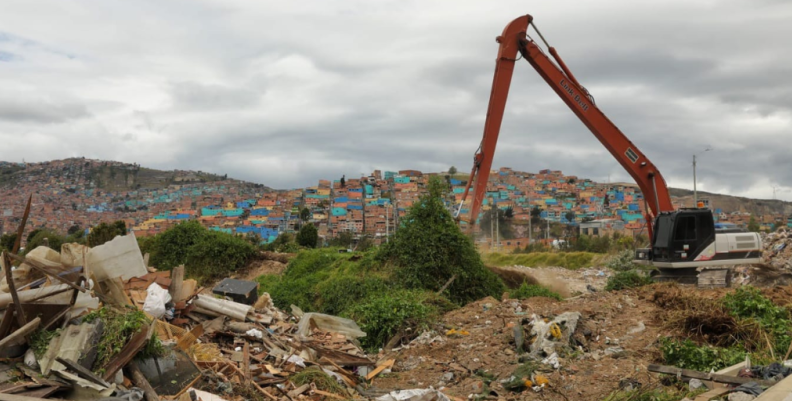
(515, 41)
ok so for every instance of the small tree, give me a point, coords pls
(570, 215)
(308, 236)
(106, 232)
(429, 249)
(452, 170)
(753, 225)
(305, 214)
(536, 215)
(74, 230)
(343, 240)
(54, 240)
(343, 181)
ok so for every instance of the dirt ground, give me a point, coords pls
(616, 334)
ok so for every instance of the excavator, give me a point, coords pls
(682, 241)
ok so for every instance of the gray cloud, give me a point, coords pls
(40, 110)
(285, 94)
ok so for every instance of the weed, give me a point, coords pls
(628, 279)
(657, 394)
(748, 303)
(623, 261)
(384, 315)
(534, 290)
(40, 340)
(686, 354)
(119, 327)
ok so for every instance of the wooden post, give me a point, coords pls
(139, 380)
(21, 332)
(177, 279)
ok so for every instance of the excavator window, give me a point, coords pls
(685, 228)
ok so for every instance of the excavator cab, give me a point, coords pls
(682, 235)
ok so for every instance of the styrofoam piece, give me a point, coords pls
(120, 257)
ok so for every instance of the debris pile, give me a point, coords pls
(777, 249)
(88, 323)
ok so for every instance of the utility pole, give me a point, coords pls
(547, 235)
(530, 229)
(387, 223)
(695, 192)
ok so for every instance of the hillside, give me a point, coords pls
(108, 176)
(730, 203)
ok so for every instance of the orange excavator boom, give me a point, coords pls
(515, 42)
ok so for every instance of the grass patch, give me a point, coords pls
(747, 303)
(654, 394)
(568, 260)
(526, 291)
(628, 279)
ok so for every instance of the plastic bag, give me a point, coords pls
(155, 300)
(329, 323)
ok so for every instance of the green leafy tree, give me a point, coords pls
(509, 213)
(172, 246)
(7, 241)
(753, 225)
(364, 244)
(452, 170)
(536, 215)
(305, 214)
(106, 232)
(570, 215)
(308, 236)
(74, 230)
(429, 249)
(343, 181)
(54, 240)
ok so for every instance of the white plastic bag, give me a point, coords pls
(155, 300)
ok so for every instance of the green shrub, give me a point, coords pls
(173, 245)
(54, 240)
(384, 315)
(748, 303)
(628, 279)
(526, 291)
(104, 232)
(429, 248)
(623, 261)
(216, 255)
(686, 354)
(341, 291)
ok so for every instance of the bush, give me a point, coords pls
(54, 240)
(172, 246)
(216, 255)
(340, 292)
(748, 303)
(628, 279)
(428, 249)
(106, 232)
(387, 314)
(533, 290)
(686, 354)
(623, 261)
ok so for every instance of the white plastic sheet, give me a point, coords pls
(156, 299)
(329, 323)
(418, 394)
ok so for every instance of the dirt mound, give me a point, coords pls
(513, 277)
(614, 340)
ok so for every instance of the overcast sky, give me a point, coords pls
(287, 92)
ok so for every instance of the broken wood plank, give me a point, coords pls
(21, 332)
(443, 288)
(694, 374)
(21, 228)
(245, 359)
(331, 395)
(36, 266)
(177, 279)
(716, 392)
(139, 380)
(82, 372)
(20, 314)
(135, 344)
(188, 339)
(299, 390)
(385, 365)
(14, 397)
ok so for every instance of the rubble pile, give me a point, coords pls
(777, 249)
(88, 323)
